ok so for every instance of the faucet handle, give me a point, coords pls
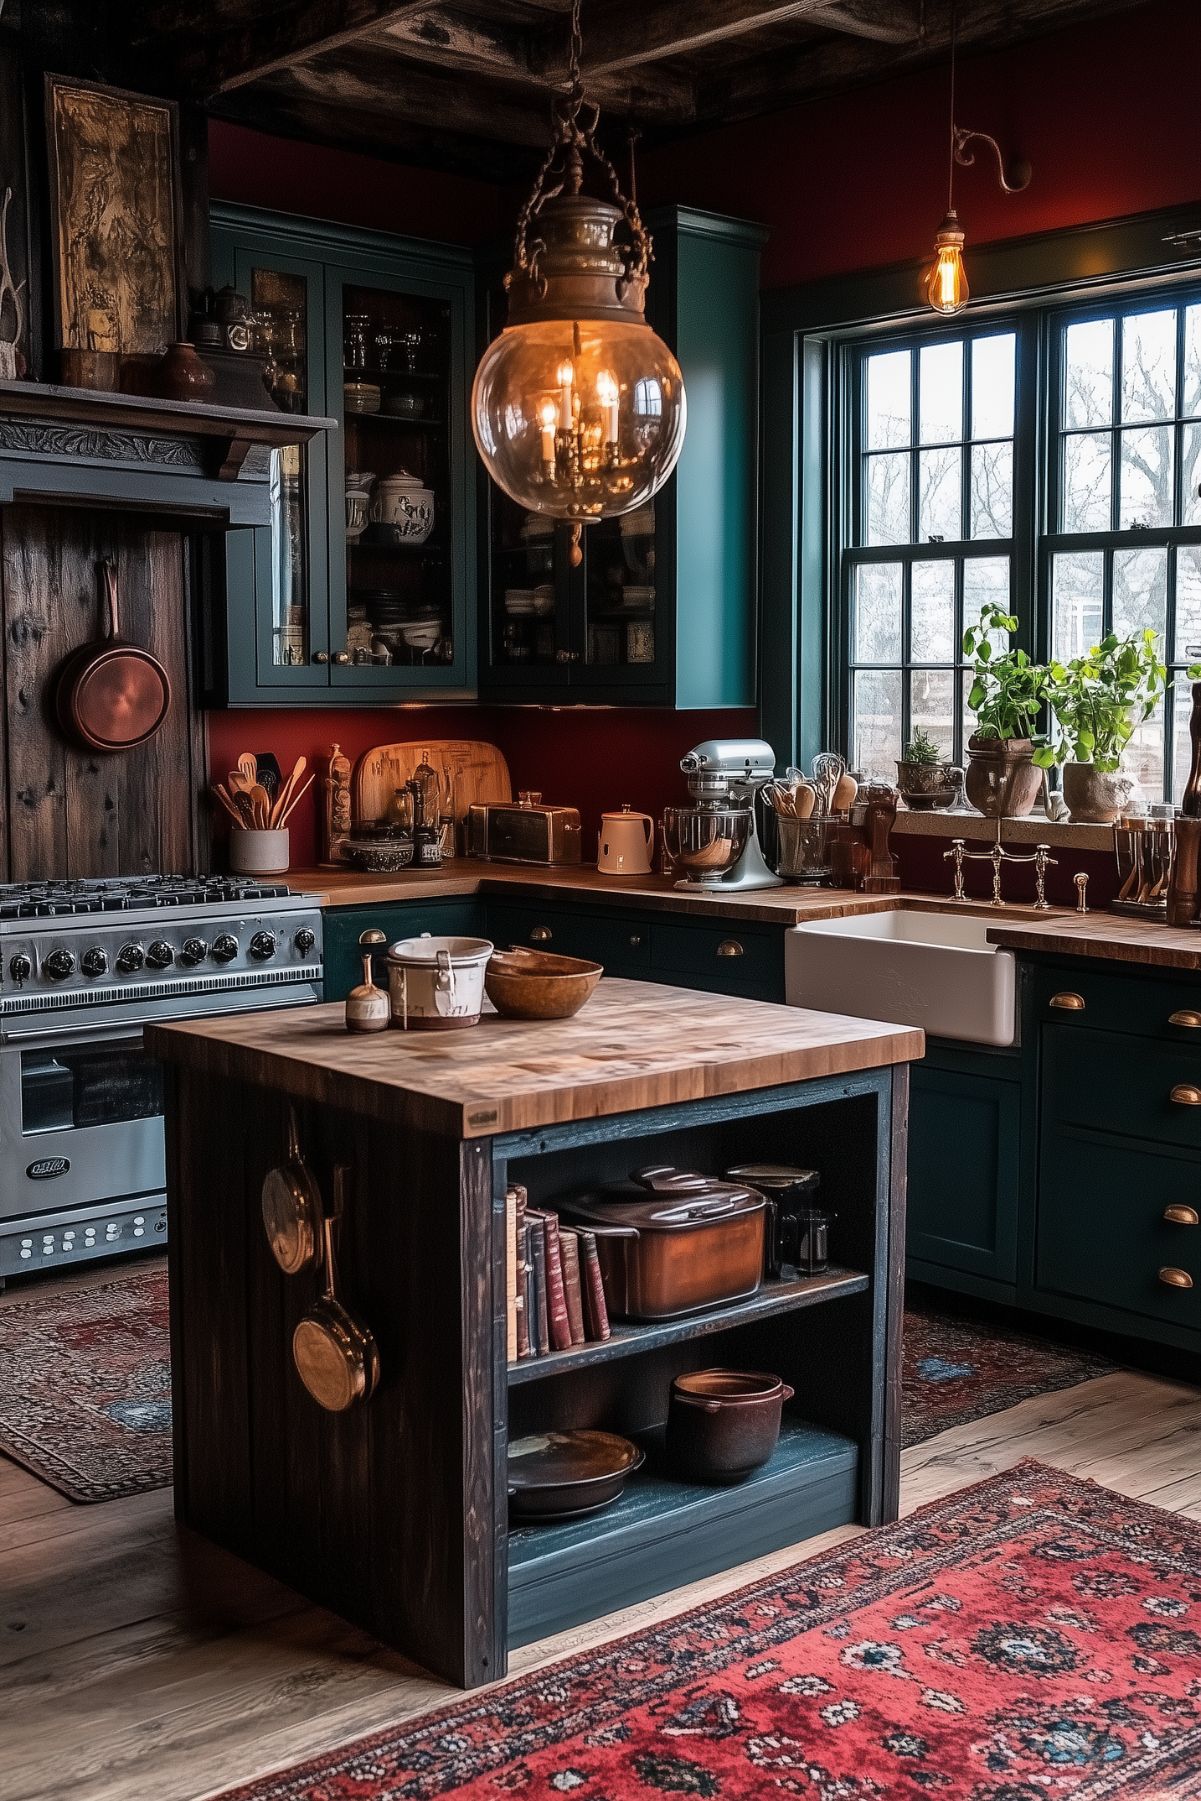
(1043, 860)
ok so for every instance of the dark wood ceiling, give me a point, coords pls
(466, 85)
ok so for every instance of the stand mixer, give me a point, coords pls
(714, 844)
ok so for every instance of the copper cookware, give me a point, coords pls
(336, 1357)
(292, 1208)
(111, 694)
(672, 1242)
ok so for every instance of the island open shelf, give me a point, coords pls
(630, 1339)
(619, 1556)
(395, 1512)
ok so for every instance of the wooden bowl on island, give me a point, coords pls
(523, 984)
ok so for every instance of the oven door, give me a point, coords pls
(80, 1120)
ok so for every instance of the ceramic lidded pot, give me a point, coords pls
(404, 504)
(437, 984)
(182, 374)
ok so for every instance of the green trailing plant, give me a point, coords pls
(1008, 691)
(1100, 699)
(922, 749)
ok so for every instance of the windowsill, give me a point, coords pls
(1034, 829)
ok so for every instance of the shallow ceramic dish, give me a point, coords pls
(557, 1475)
(525, 984)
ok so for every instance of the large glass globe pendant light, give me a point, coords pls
(578, 409)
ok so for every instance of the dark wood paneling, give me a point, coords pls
(71, 812)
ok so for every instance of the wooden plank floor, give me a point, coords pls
(139, 1664)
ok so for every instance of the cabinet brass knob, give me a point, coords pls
(1185, 1016)
(635, 940)
(372, 936)
(321, 656)
(540, 934)
(1175, 1278)
(341, 656)
(1186, 1094)
(1068, 1002)
(730, 947)
(1182, 1216)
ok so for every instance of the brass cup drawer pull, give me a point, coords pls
(635, 940)
(540, 934)
(1187, 1017)
(730, 947)
(1182, 1216)
(1067, 1002)
(1186, 1094)
(1175, 1278)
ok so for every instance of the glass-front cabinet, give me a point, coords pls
(661, 609)
(363, 585)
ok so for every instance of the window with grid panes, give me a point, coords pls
(930, 537)
(1123, 549)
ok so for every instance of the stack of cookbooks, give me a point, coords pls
(556, 1297)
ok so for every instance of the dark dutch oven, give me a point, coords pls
(722, 1424)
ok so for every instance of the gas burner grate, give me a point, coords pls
(120, 894)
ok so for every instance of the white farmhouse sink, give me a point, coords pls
(934, 970)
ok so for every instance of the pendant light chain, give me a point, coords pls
(951, 158)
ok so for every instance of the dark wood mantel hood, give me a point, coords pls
(177, 460)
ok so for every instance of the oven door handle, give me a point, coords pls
(68, 1035)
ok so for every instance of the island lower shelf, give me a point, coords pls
(563, 1572)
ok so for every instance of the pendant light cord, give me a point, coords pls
(951, 159)
(575, 54)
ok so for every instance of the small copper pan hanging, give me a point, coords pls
(111, 694)
(292, 1208)
(336, 1357)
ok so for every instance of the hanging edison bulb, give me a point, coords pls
(578, 409)
(946, 284)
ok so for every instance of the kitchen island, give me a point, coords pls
(394, 1513)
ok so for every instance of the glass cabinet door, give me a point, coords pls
(395, 358)
(620, 642)
(529, 600)
(284, 563)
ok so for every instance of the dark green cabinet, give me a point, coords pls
(453, 917)
(363, 588)
(964, 1170)
(662, 609)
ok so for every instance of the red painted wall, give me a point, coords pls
(1106, 112)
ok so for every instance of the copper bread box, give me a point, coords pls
(525, 832)
(671, 1242)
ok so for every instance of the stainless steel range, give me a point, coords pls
(83, 966)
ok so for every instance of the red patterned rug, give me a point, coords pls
(85, 1386)
(955, 1370)
(1032, 1638)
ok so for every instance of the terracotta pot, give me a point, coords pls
(1002, 782)
(183, 375)
(1096, 796)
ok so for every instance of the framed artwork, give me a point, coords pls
(115, 218)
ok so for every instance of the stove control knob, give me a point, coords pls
(160, 954)
(193, 951)
(225, 947)
(130, 959)
(59, 964)
(262, 946)
(94, 962)
(20, 967)
(306, 938)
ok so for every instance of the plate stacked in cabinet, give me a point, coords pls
(556, 1295)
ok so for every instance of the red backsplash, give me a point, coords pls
(592, 758)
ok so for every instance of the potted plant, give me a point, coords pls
(923, 774)
(1097, 702)
(1006, 757)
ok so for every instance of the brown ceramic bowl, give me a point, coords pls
(722, 1423)
(525, 984)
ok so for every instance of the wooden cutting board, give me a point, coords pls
(478, 770)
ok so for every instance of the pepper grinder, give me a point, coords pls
(368, 1007)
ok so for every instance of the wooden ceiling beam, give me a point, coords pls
(880, 21)
(447, 38)
(217, 58)
(624, 34)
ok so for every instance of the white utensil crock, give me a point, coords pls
(437, 983)
(627, 841)
(253, 852)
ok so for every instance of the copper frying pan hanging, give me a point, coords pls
(111, 694)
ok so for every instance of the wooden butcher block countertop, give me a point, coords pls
(1106, 936)
(634, 1045)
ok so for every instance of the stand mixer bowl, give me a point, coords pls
(705, 841)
